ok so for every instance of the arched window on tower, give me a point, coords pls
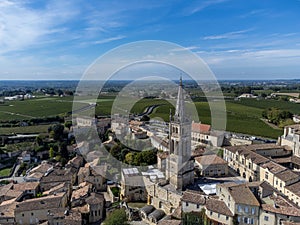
(172, 147)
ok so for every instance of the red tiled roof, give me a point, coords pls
(200, 127)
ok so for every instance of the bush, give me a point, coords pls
(117, 217)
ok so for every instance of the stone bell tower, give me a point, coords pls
(179, 165)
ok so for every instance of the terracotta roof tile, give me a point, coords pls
(273, 167)
(26, 186)
(210, 160)
(218, 206)
(243, 195)
(193, 197)
(287, 175)
(201, 127)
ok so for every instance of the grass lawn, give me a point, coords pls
(5, 172)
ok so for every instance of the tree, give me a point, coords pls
(56, 131)
(117, 217)
(145, 118)
(51, 153)
(138, 159)
(263, 95)
(276, 116)
(116, 151)
(39, 140)
(129, 158)
(149, 157)
(68, 124)
(63, 150)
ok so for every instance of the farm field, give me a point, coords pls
(25, 130)
(43, 107)
(242, 116)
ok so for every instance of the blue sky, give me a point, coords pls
(238, 39)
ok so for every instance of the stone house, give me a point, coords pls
(291, 138)
(211, 165)
(33, 211)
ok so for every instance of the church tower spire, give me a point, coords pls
(179, 113)
(179, 166)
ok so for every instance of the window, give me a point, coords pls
(186, 204)
(218, 215)
(253, 211)
(32, 213)
(246, 209)
(23, 214)
(95, 213)
(280, 184)
(227, 217)
(250, 221)
(266, 218)
(211, 213)
(197, 206)
(239, 219)
(266, 175)
(239, 208)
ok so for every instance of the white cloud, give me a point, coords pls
(229, 35)
(106, 40)
(186, 48)
(200, 5)
(22, 26)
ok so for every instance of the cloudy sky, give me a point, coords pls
(57, 39)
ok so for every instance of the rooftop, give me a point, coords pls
(169, 222)
(287, 175)
(241, 194)
(94, 199)
(277, 204)
(8, 210)
(131, 172)
(48, 202)
(294, 188)
(273, 167)
(193, 197)
(42, 168)
(249, 152)
(210, 160)
(254, 147)
(26, 186)
(218, 206)
(200, 127)
(81, 192)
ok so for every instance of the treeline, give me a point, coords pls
(278, 117)
(31, 122)
(126, 155)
